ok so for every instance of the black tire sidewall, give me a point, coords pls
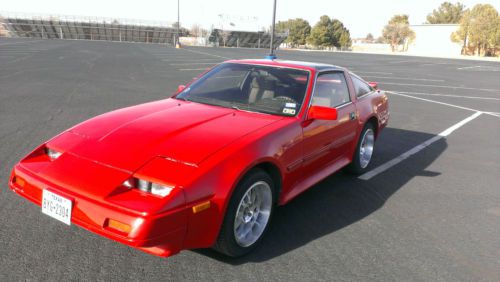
(226, 242)
(355, 166)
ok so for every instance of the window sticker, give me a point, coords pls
(289, 111)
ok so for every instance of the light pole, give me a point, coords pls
(178, 42)
(272, 55)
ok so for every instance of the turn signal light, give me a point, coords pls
(201, 207)
(19, 181)
(120, 226)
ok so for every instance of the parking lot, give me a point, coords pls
(428, 210)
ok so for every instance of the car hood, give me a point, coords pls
(184, 131)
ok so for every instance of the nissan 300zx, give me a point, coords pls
(207, 167)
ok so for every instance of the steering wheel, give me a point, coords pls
(285, 99)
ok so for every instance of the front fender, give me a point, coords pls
(217, 177)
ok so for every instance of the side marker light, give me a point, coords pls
(201, 207)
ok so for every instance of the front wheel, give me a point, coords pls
(248, 215)
(364, 150)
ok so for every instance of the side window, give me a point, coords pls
(330, 90)
(360, 87)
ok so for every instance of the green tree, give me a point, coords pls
(341, 35)
(345, 40)
(337, 29)
(282, 26)
(479, 29)
(397, 31)
(297, 29)
(463, 31)
(369, 37)
(321, 34)
(447, 13)
(328, 33)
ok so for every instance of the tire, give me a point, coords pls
(364, 151)
(248, 213)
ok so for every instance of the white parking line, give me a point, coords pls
(193, 69)
(188, 64)
(374, 72)
(190, 59)
(205, 53)
(17, 52)
(493, 114)
(448, 95)
(443, 103)
(19, 42)
(482, 68)
(374, 172)
(442, 86)
(471, 67)
(171, 56)
(164, 53)
(432, 64)
(398, 62)
(405, 78)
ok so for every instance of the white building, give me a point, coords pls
(434, 40)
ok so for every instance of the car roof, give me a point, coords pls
(287, 63)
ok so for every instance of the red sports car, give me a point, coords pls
(207, 167)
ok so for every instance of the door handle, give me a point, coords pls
(352, 115)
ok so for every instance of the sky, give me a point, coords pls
(360, 17)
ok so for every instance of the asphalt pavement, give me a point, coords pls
(432, 216)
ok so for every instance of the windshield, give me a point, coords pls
(265, 89)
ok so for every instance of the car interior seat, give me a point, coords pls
(323, 95)
(261, 88)
(340, 95)
(330, 95)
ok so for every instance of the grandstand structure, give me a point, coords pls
(3, 29)
(232, 38)
(124, 30)
(87, 28)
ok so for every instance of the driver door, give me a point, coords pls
(327, 143)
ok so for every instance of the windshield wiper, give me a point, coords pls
(234, 106)
(182, 98)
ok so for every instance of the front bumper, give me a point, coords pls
(159, 234)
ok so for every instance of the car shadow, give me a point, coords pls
(342, 199)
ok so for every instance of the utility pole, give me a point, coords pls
(178, 42)
(272, 55)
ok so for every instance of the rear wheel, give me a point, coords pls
(364, 150)
(248, 215)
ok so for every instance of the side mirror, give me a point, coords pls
(322, 113)
(180, 88)
(373, 85)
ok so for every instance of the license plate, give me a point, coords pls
(56, 206)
